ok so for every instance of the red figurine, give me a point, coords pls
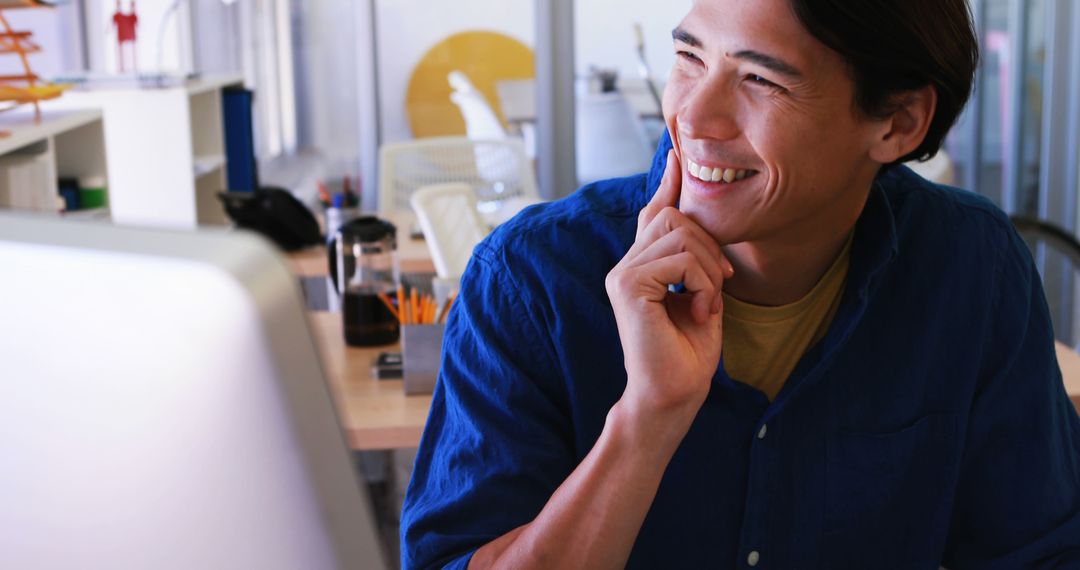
(126, 25)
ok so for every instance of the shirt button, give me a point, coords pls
(762, 431)
(753, 559)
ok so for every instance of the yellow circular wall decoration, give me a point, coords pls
(485, 57)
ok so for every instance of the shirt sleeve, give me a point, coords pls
(1018, 501)
(498, 440)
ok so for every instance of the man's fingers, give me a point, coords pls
(667, 195)
(684, 268)
(671, 220)
(679, 241)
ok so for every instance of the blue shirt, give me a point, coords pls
(930, 426)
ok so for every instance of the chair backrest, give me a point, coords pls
(496, 170)
(611, 140)
(1057, 254)
(451, 223)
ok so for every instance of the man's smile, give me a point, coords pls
(721, 174)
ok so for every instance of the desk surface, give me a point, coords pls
(413, 254)
(1069, 361)
(376, 413)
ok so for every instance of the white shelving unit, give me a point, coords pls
(166, 150)
(68, 144)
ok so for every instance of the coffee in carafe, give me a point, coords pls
(366, 267)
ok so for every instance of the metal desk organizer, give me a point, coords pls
(421, 353)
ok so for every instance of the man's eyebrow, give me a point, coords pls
(681, 35)
(769, 62)
(765, 60)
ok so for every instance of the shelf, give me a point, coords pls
(165, 151)
(213, 83)
(206, 165)
(24, 130)
(89, 214)
(37, 153)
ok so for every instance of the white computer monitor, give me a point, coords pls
(162, 406)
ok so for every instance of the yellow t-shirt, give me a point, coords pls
(762, 345)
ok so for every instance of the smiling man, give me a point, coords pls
(778, 349)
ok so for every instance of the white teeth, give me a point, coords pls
(727, 175)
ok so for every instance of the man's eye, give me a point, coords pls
(759, 80)
(688, 56)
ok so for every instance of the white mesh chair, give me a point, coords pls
(496, 170)
(452, 226)
(939, 169)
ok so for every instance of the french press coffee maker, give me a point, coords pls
(366, 275)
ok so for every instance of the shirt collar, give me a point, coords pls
(656, 172)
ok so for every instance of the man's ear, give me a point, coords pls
(904, 130)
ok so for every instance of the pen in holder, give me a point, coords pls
(421, 319)
(421, 350)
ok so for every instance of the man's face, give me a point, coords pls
(753, 94)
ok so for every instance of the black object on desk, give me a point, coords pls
(275, 213)
(388, 366)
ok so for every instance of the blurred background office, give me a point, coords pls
(338, 78)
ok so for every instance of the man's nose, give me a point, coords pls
(709, 110)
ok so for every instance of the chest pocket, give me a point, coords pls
(888, 495)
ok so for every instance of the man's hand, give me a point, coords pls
(672, 346)
(671, 342)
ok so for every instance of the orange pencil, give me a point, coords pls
(401, 305)
(389, 305)
(429, 312)
(446, 309)
(414, 303)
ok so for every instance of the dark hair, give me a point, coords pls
(898, 46)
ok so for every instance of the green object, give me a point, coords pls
(92, 198)
(92, 192)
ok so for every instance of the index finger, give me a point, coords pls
(667, 195)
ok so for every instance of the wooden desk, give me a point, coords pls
(413, 254)
(1069, 361)
(376, 413)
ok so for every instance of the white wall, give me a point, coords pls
(327, 71)
(217, 47)
(407, 29)
(605, 37)
(58, 33)
(176, 48)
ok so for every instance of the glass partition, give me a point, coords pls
(623, 54)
